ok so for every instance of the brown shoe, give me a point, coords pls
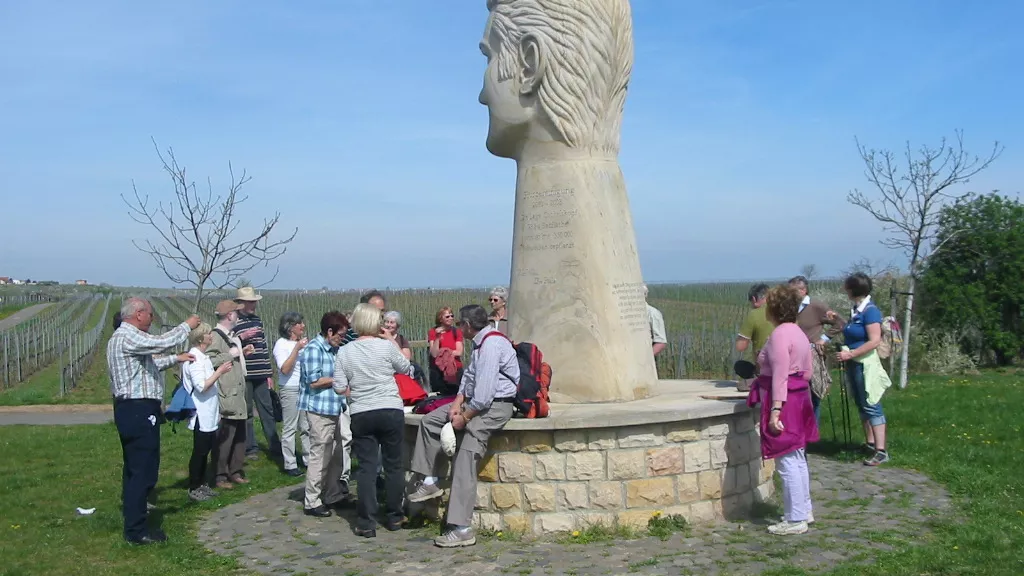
(225, 485)
(239, 480)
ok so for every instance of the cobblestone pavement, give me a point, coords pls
(860, 512)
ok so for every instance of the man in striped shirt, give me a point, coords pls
(136, 361)
(259, 379)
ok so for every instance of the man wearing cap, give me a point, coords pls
(259, 379)
(226, 347)
(136, 360)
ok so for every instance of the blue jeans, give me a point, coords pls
(870, 413)
(816, 403)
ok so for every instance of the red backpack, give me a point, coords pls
(532, 397)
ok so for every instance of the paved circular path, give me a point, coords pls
(860, 511)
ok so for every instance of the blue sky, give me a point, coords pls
(359, 122)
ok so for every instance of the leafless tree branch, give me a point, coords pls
(910, 195)
(909, 200)
(196, 242)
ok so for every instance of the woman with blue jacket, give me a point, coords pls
(865, 375)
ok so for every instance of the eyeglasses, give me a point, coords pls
(449, 316)
(495, 299)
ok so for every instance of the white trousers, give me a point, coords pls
(796, 485)
(293, 420)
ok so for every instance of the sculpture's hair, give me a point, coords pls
(589, 49)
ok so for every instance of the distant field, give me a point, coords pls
(701, 319)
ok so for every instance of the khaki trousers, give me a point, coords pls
(472, 447)
(329, 458)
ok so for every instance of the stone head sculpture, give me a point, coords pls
(557, 72)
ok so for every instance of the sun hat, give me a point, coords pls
(448, 439)
(247, 294)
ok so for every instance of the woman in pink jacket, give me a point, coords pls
(787, 416)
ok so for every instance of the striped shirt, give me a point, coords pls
(367, 367)
(258, 363)
(316, 361)
(136, 364)
(493, 371)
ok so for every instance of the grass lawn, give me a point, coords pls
(69, 467)
(963, 432)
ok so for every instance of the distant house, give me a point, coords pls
(4, 280)
(81, 282)
(16, 281)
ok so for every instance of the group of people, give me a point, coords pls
(790, 333)
(338, 396)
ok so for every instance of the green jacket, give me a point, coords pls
(232, 384)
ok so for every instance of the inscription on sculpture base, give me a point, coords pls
(576, 289)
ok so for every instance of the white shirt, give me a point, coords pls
(657, 321)
(207, 402)
(282, 350)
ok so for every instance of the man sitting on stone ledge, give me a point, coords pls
(483, 406)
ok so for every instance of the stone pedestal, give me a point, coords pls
(618, 464)
(577, 290)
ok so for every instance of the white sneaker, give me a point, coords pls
(456, 538)
(810, 518)
(425, 492)
(788, 528)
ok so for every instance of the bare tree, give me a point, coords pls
(198, 241)
(873, 268)
(909, 201)
(809, 271)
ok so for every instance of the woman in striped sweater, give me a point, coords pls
(364, 370)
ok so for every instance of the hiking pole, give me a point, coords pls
(832, 419)
(844, 405)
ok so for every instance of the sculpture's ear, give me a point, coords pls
(531, 64)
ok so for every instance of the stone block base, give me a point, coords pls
(544, 481)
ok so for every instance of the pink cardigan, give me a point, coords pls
(788, 351)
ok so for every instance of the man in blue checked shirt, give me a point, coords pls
(330, 434)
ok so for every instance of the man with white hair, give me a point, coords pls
(659, 340)
(136, 361)
(498, 316)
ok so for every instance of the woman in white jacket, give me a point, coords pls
(200, 380)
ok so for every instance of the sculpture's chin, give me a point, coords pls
(498, 145)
